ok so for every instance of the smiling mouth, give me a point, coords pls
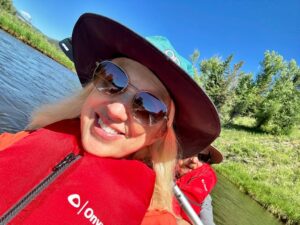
(107, 129)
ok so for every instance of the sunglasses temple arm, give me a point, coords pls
(186, 206)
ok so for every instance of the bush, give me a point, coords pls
(8, 6)
(279, 110)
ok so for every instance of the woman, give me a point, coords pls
(133, 98)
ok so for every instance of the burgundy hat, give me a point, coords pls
(96, 38)
(211, 155)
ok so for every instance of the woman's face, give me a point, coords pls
(108, 128)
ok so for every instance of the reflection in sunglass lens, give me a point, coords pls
(112, 79)
(148, 109)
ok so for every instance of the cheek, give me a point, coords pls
(153, 134)
(87, 114)
(93, 102)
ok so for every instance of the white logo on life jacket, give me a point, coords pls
(172, 56)
(88, 213)
(204, 184)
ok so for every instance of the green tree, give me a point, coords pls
(195, 57)
(219, 80)
(270, 69)
(278, 95)
(245, 97)
(8, 6)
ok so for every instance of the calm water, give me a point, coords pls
(29, 79)
(232, 207)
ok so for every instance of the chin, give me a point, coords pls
(93, 147)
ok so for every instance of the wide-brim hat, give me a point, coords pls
(96, 38)
(215, 156)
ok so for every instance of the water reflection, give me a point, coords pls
(231, 207)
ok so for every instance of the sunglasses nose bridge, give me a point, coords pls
(127, 96)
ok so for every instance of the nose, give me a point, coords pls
(117, 112)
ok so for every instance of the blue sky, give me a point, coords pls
(214, 27)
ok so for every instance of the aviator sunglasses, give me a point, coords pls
(111, 79)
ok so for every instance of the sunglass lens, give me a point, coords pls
(148, 109)
(110, 79)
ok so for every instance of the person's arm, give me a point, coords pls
(7, 139)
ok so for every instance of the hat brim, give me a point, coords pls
(215, 155)
(96, 38)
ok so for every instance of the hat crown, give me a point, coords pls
(165, 46)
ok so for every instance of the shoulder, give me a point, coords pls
(203, 172)
(7, 139)
(159, 217)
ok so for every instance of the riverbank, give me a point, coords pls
(264, 166)
(35, 39)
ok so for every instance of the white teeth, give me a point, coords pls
(107, 129)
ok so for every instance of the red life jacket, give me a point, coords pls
(196, 185)
(87, 190)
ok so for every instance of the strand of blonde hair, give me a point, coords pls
(68, 108)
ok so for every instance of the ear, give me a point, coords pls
(171, 114)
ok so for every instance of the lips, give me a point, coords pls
(106, 128)
(104, 131)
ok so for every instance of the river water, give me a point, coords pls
(29, 79)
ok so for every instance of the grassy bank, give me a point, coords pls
(32, 37)
(264, 166)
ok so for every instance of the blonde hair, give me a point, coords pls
(68, 108)
(162, 153)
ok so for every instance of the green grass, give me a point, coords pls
(264, 166)
(30, 36)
